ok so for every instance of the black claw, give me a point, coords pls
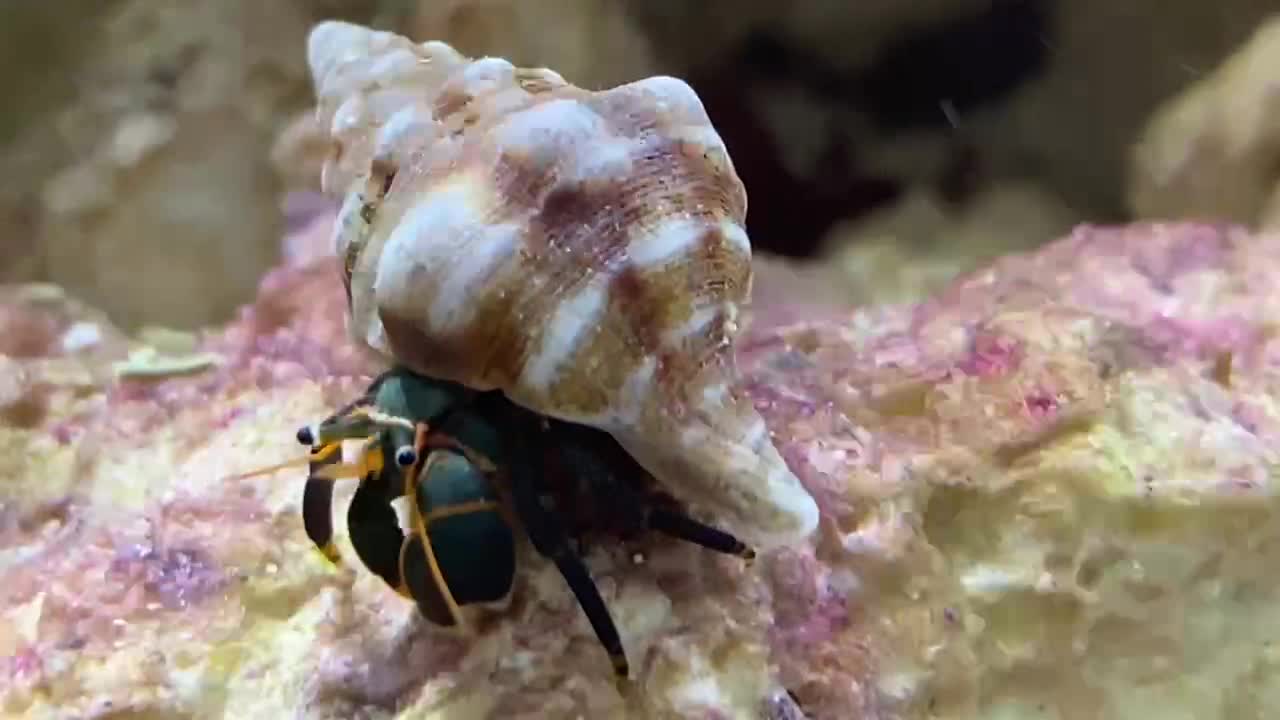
(621, 668)
(375, 531)
(317, 504)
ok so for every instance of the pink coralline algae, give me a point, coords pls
(1035, 487)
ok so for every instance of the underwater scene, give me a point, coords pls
(640, 360)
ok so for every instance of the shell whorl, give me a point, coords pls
(583, 251)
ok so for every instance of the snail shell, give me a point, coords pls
(583, 251)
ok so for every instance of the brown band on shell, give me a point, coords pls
(524, 186)
(450, 101)
(488, 348)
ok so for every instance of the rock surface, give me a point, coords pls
(1213, 152)
(140, 179)
(593, 43)
(1049, 491)
(916, 247)
(133, 126)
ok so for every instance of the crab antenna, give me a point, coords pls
(340, 471)
(295, 462)
(349, 470)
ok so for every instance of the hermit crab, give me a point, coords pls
(474, 468)
(583, 252)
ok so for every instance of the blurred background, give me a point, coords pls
(155, 153)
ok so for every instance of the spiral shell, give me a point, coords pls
(583, 251)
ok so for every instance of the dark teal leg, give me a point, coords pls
(609, 473)
(680, 526)
(550, 540)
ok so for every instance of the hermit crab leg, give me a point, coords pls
(550, 540)
(584, 456)
(682, 527)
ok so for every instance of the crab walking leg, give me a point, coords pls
(681, 526)
(547, 534)
(585, 455)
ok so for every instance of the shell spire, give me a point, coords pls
(582, 251)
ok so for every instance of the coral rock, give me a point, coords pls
(1213, 151)
(593, 41)
(916, 247)
(1050, 489)
(144, 187)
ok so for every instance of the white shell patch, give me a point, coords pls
(668, 241)
(542, 134)
(458, 240)
(572, 317)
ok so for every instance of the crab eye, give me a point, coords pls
(306, 436)
(406, 456)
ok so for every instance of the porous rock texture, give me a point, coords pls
(136, 135)
(1047, 492)
(912, 249)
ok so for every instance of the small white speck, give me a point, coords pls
(80, 336)
(272, 568)
(949, 112)
(637, 559)
(119, 622)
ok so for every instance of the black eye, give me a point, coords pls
(305, 436)
(406, 456)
